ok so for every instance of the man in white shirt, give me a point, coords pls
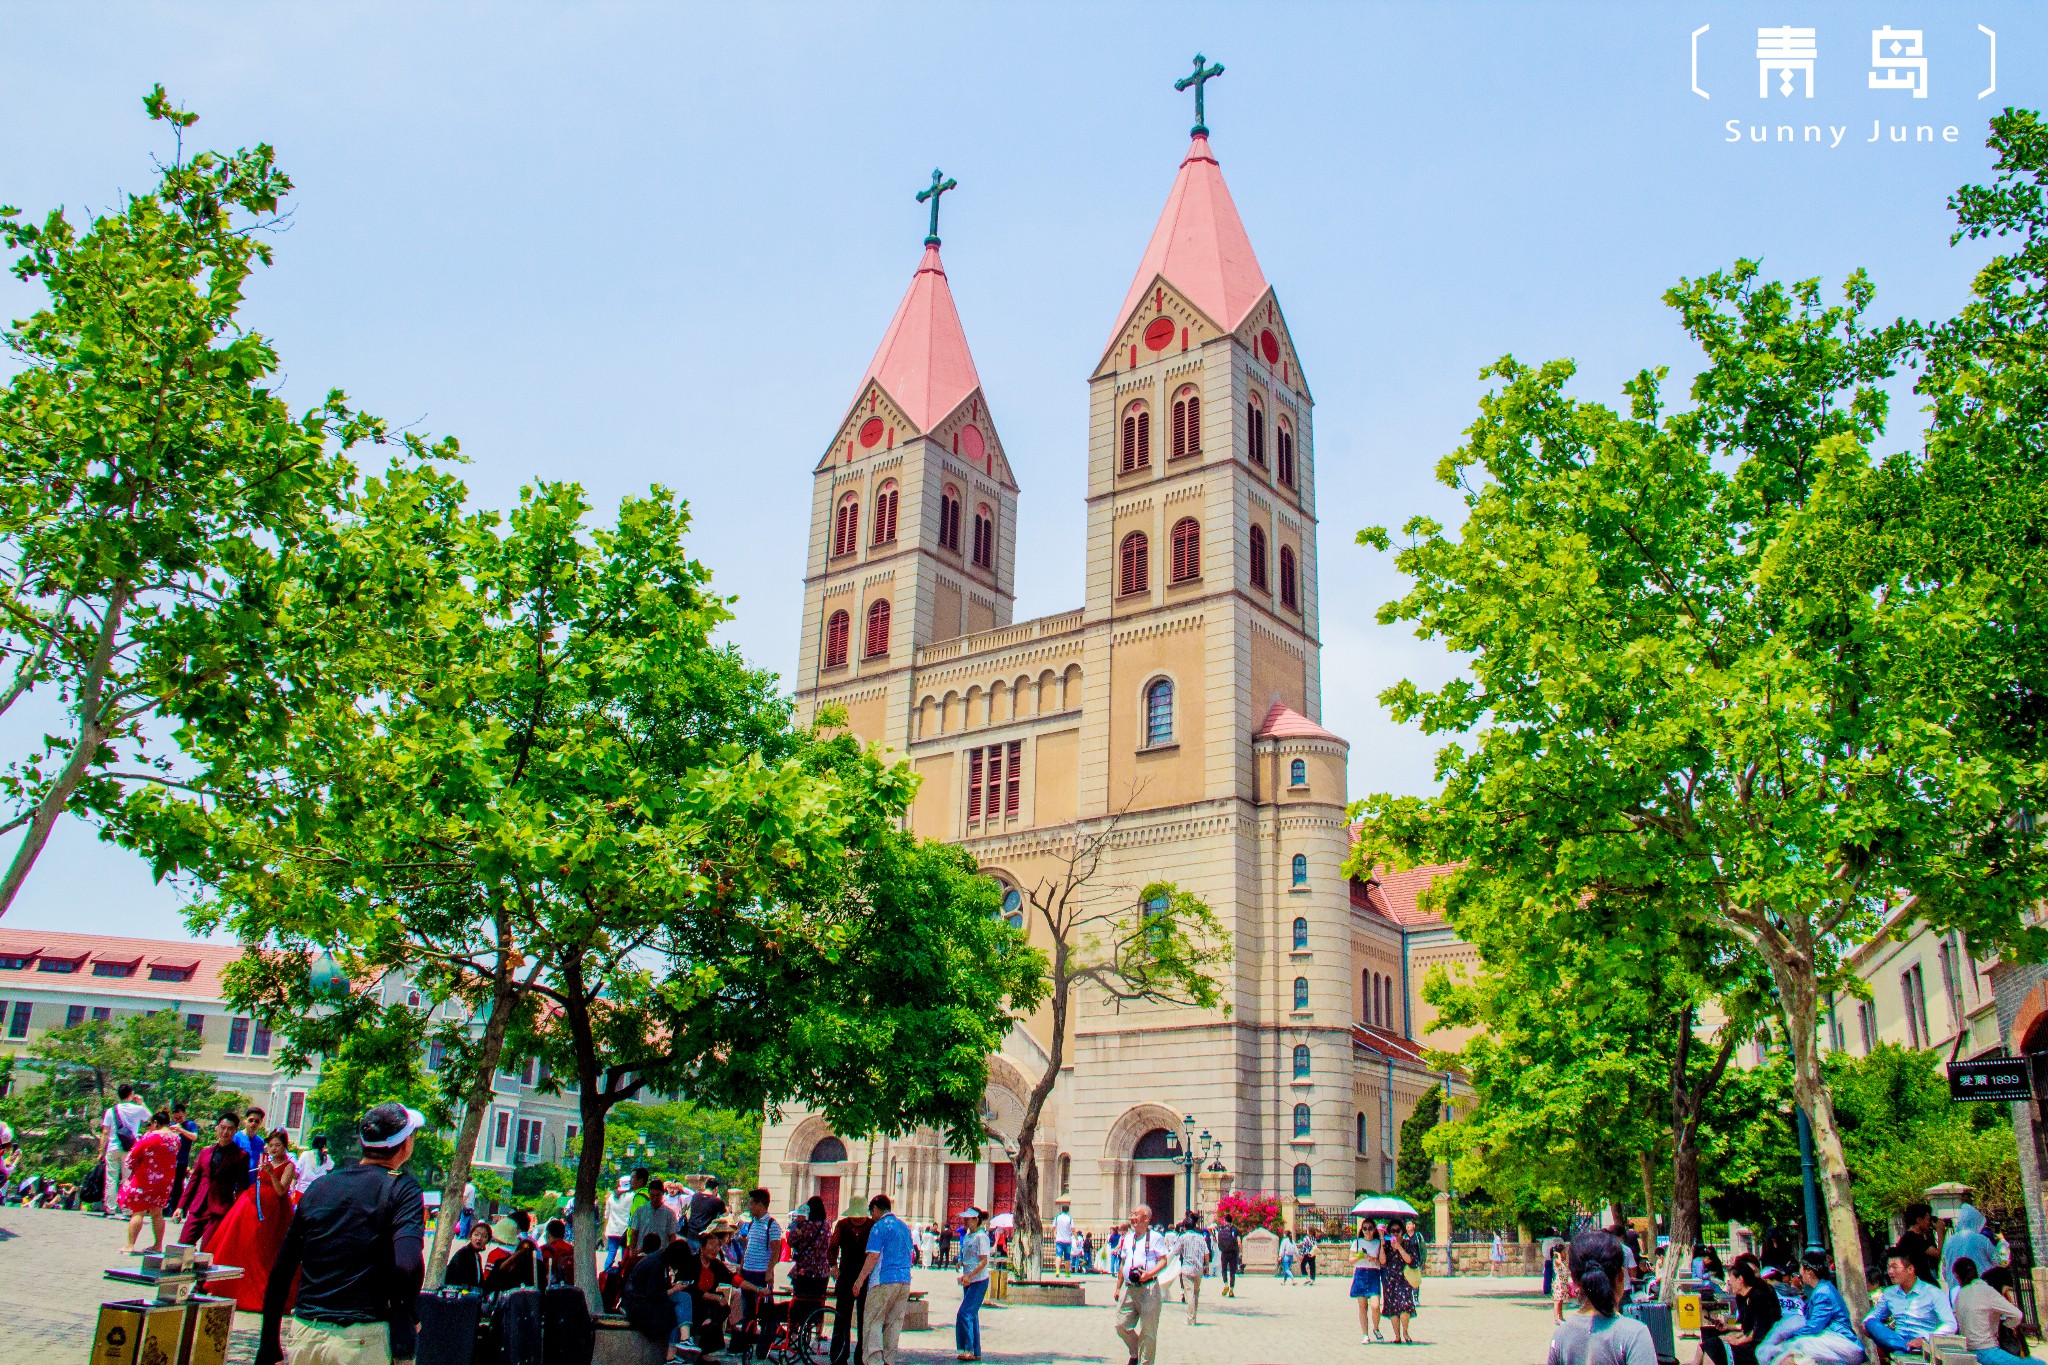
(120, 1129)
(1194, 1263)
(1063, 1240)
(1146, 1256)
(618, 1215)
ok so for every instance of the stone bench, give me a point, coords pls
(619, 1344)
(1049, 1293)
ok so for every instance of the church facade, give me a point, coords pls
(1176, 706)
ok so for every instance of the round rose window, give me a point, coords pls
(871, 432)
(1159, 335)
(1269, 346)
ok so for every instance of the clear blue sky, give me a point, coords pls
(627, 243)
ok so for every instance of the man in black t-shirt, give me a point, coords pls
(1919, 1242)
(357, 1249)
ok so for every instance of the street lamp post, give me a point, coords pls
(1191, 1152)
(1809, 1182)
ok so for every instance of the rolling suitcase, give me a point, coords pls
(568, 1337)
(515, 1328)
(1656, 1317)
(448, 1329)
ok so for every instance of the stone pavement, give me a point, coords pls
(50, 1290)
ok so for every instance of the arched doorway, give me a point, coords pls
(1152, 1155)
(828, 1153)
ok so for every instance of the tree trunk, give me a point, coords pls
(476, 1103)
(589, 1213)
(1030, 1228)
(1800, 1003)
(1685, 1210)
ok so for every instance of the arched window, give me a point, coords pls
(1301, 1121)
(1013, 907)
(1361, 1134)
(1067, 1172)
(1158, 712)
(846, 526)
(984, 535)
(1258, 558)
(885, 514)
(1368, 994)
(949, 518)
(1187, 550)
(1284, 449)
(1290, 588)
(413, 1001)
(1137, 450)
(1301, 992)
(1297, 773)
(1255, 430)
(878, 628)
(837, 627)
(1300, 1061)
(1300, 934)
(1301, 869)
(828, 1150)
(1304, 1181)
(1133, 565)
(1187, 423)
(1152, 1146)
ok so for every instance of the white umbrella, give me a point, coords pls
(1003, 1220)
(1383, 1206)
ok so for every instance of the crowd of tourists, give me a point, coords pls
(1785, 1308)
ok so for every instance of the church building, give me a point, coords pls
(1179, 700)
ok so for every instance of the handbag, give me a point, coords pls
(1412, 1274)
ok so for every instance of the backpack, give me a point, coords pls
(124, 1131)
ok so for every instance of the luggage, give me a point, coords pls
(449, 1326)
(568, 1337)
(514, 1328)
(1656, 1317)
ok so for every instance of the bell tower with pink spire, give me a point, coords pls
(913, 512)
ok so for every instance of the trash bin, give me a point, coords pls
(999, 1282)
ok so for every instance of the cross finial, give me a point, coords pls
(939, 186)
(1203, 74)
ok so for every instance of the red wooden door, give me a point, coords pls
(959, 1189)
(828, 1190)
(1159, 1199)
(1004, 1192)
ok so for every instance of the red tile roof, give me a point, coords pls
(923, 362)
(1388, 1044)
(1200, 246)
(206, 960)
(1284, 722)
(1397, 895)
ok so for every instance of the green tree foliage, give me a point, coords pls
(1716, 663)
(1414, 1164)
(154, 488)
(688, 1140)
(69, 1078)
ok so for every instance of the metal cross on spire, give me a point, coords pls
(939, 186)
(1203, 74)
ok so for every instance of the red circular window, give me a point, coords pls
(1159, 335)
(871, 430)
(970, 442)
(1269, 346)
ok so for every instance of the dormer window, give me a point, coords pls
(172, 971)
(116, 969)
(1137, 438)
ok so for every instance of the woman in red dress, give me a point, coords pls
(152, 1166)
(254, 1229)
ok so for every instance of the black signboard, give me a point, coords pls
(1992, 1078)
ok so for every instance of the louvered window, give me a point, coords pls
(885, 514)
(878, 628)
(1290, 590)
(984, 536)
(1187, 550)
(846, 527)
(995, 780)
(1285, 444)
(1255, 431)
(949, 518)
(1258, 557)
(1137, 453)
(1133, 574)
(836, 630)
(1187, 424)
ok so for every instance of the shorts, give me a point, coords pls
(1365, 1282)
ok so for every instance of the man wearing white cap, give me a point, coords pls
(356, 1249)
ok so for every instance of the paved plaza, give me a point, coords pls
(50, 1287)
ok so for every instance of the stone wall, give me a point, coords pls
(1476, 1258)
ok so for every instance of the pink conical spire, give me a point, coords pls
(1200, 245)
(923, 362)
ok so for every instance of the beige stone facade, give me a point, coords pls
(1179, 700)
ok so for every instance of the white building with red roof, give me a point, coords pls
(1178, 702)
(51, 981)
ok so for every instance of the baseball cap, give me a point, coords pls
(388, 1124)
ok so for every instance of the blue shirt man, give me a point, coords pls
(1910, 1310)
(250, 1139)
(889, 1246)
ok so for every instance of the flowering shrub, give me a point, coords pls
(1249, 1211)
